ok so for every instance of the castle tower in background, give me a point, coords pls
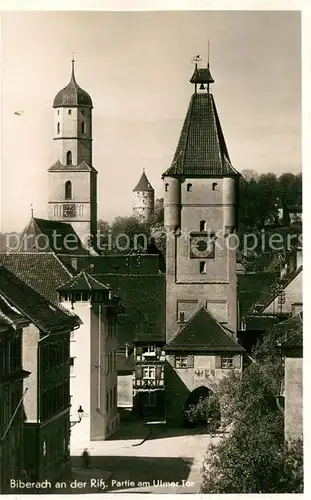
(143, 199)
(200, 196)
(72, 178)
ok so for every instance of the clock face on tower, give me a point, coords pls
(202, 246)
(69, 210)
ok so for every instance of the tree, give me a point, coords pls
(205, 413)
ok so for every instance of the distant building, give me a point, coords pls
(12, 377)
(93, 358)
(46, 404)
(200, 205)
(143, 199)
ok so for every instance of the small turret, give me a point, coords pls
(143, 199)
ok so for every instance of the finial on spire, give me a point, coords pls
(31, 210)
(208, 48)
(196, 59)
(73, 65)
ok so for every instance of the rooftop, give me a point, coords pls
(72, 95)
(203, 333)
(45, 316)
(143, 184)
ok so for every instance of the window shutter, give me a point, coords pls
(139, 372)
(190, 361)
(139, 350)
(237, 361)
(158, 372)
(217, 361)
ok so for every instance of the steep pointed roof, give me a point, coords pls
(203, 333)
(202, 149)
(42, 235)
(143, 184)
(72, 95)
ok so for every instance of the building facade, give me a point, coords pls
(93, 359)
(12, 378)
(72, 177)
(200, 205)
(143, 199)
(46, 403)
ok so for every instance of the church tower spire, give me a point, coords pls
(72, 178)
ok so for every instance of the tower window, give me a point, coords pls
(82, 128)
(58, 111)
(69, 158)
(58, 127)
(203, 267)
(69, 111)
(202, 225)
(214, 187)
(68, 190)
(166, 187)
(189, 188)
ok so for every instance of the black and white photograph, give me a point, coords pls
(151, 303)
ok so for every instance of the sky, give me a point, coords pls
(136, 66)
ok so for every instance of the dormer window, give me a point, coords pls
(189, 188)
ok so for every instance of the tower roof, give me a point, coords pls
(72, 95)
(143, 184)
(202, 149)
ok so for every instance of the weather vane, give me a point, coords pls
(197, 59)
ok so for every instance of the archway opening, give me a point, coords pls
(202, 410)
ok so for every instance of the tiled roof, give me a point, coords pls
(143, 184)
(254, 288)
(285, 281)
(203, 333)
(202, 75)
(72, 95)
(47, 317)
(143, 298)
(43, 272)
(292, 330)
(82, 167)
(201, 150)
(83, 282)
(43, 235)
(10, 316)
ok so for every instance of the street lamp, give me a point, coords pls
(80, 412)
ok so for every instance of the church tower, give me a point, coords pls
(72, 178)
(143, 199)
(200, 199)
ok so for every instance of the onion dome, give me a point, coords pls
(72, 95)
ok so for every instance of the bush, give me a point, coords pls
(205, 413)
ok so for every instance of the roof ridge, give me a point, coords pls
(84, 274)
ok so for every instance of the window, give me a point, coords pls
(214, 186)
(58, 111)
(189, 188)
(58, 127)
(202, 225)
(69, 158)
(149, 372)
(44, 448)
(203, 267)
(151, 349)
(227, 362)
(183, 361)
(150, 399)
(181, 317)
(72, 361)
(68, 190)
(82, 128)
(107, 401)
(82, 112)
(69, 111)
(166, 187)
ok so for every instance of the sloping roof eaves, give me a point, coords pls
(47, 317)
(203, 333)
